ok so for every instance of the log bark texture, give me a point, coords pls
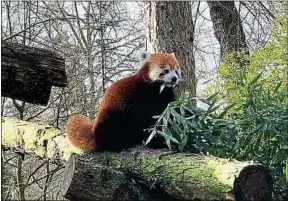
(139, 173)
(36, 138)
(143, 174)
(28, 73)
(169, 28)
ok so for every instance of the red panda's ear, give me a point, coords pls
(172, 54)
(144, 56)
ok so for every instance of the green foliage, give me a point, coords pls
(260, 130)
(255, 128)
(270, 60)
(188, 126)
(247, 117)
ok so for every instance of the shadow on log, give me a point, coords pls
(143, 174)
(29, 73)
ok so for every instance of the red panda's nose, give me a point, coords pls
(174, 79)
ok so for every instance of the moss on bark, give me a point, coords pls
(37, 138)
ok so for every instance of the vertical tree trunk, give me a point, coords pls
(227, 26)
(169, 28)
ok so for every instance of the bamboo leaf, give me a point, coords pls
(277, 87)
(166, 136)
(213, 109)
(255, 79)
(207, 102)
(286, 170)
(175, 126)
(211, 97)
(183, 142)
(226, 110)
(150, 137)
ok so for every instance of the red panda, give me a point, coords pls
(128, 107)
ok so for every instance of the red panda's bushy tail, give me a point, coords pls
(80, 133)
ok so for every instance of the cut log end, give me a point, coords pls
(68, 176)
(253, 183)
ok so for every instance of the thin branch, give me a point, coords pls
(43, 177)
(32, 173)
(267, 10)
(33, 25)
(21, 187)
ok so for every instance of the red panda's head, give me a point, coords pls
(161, 67)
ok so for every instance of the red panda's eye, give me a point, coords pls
(177, 73)
(166, 71)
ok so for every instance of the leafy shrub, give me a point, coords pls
(186, 125)
(260, 130)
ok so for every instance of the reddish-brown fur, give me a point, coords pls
(162, 60)
(126, 109)
(80, 133)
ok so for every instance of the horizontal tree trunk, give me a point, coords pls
(28, 73)
(143, 174)
(36, 138)
(139, 173)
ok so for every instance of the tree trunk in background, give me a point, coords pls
(169, 28)
(227, 26)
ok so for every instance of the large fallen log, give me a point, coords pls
(36, 138)
(143, 174)
(139, 174)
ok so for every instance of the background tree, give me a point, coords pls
(99, 42)
(227, 25)
(169, 28)
(96, 35)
